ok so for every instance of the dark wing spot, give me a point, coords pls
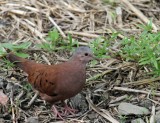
(30, 77)
(45, 74)
(36, 79)
(40, 82)
(54, 94)
(46, 80)
(51, 83)
(32, 74)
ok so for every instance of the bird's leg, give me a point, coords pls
(68, 110)
(56, 112)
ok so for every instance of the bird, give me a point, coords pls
(57, 82)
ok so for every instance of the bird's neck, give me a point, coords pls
(77, 59)
(78, 62)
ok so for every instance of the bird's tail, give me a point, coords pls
(18, 61)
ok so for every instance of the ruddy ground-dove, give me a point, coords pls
(57, 82)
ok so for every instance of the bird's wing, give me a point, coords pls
(43, 79)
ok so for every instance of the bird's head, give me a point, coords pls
(84, 54)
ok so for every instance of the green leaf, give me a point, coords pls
(7, 46)
(2, 50)
(23, 55)
(45, 46)
(24, 45)
(53, 35)
(13, 47)
(93, 63)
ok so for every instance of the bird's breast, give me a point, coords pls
(71, 82)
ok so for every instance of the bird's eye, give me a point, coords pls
(86, 54)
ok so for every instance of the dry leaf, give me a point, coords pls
(3, 98)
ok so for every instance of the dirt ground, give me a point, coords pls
(109, 82)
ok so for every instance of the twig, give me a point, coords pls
(101, 112)
(108, 63)
(133, 90)
(32, 29)
(20, 95)
(145, 81)
(156, 102)
(19, 12)
(46, 59)
(12, 107)
(127, 64)
(13, 82)
(139, 14)
(98, 75)
(119, 16)
(24, 6)
(119, 99)
(72, 8)
(107, 31)
(58, 28)
(83, 34)
(22, 110)
(152, 118)
(33, 99)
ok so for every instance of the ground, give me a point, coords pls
(111, 81)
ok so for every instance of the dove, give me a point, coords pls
(57, 82)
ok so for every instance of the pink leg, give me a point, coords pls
(64, 111)
(56, 112)
(68, 110)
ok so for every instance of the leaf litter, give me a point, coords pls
(109, 81)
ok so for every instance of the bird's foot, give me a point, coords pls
(63, 111)
(68, 110)
(57, 113)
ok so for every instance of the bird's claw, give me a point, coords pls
(57, 113)
(64, 112)
(69, 110)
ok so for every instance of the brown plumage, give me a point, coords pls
(56, 82)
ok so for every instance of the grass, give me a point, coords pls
(122, 118)
(144, 49)
(6, 64)
(100, 46)
(15, 48)
(55, 42)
